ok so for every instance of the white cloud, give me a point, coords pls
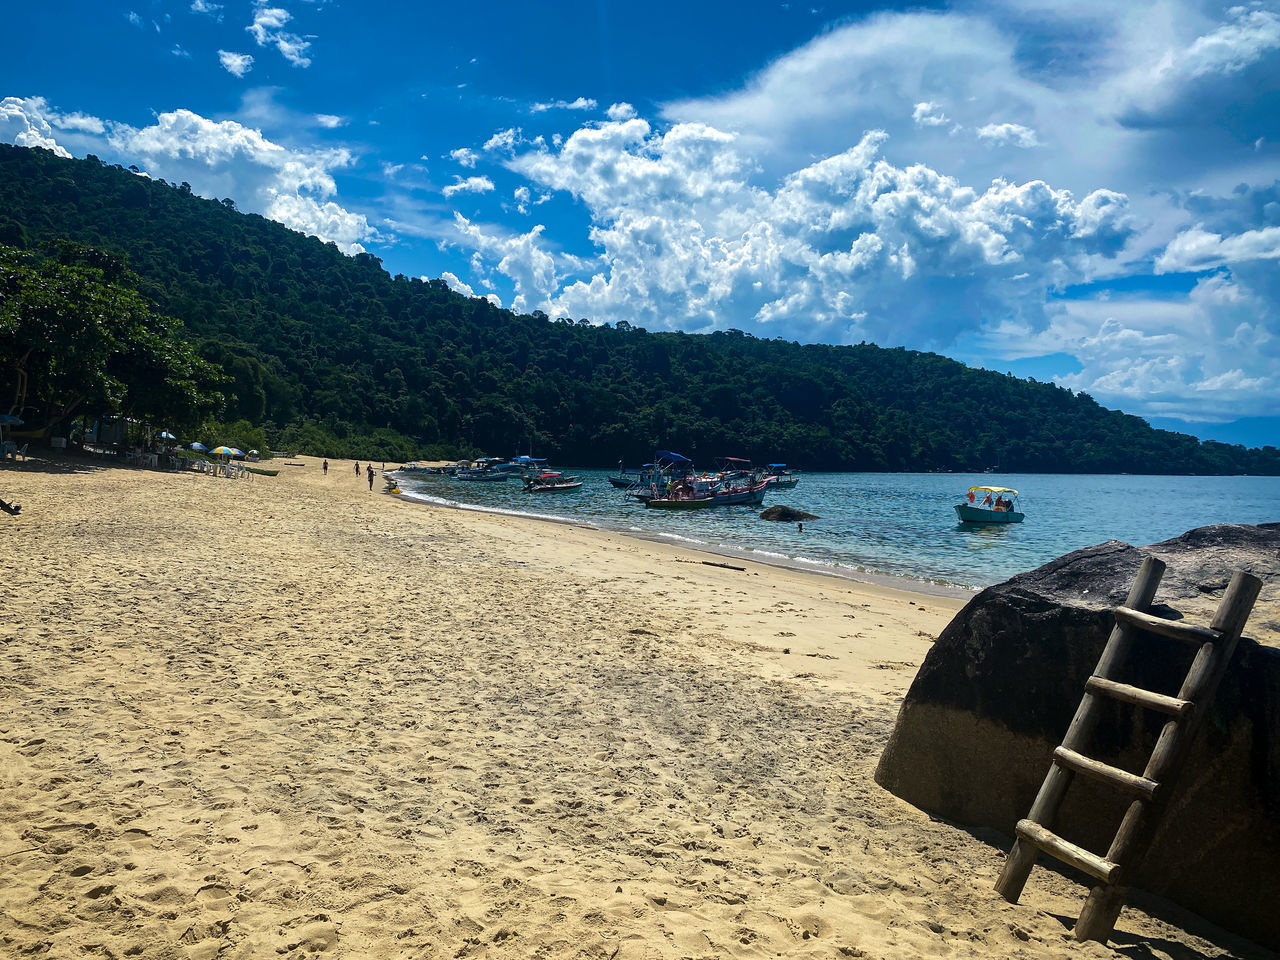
(1198, 249)
(581, 103)
(928, 114)
(226, 158)
(1014, 134)
(503, 141)
(620, 111)
(79, 122)
(522, 258)
(208, 9)
(218, 158)
(1209, 357)
(236, 64)
(178, 51)
(465, 157)
(1233, 46)
(330, 121)
(23, 122)
(456, 285)
(849, 247)
(469, 185)
(267, 31)
(323, 219)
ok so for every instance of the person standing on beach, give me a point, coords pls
(326, 468)
(357, 468)
(371, 476)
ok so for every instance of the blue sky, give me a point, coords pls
(1086, 193)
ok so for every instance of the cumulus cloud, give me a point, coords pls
(845, 248)
(1198, 249)
(236, 64)
(469, 185)
(581, 103)
(456, 285)
(1013, 134)
(1232, 47)
(23, 122)
(928, 114)
(267, 31)
(504, 141)
(329, 121)
(208, 9)
(225, 158)
(75, 121)
(522, 258)
(1208, 357)
(620, 111)
(464, 157)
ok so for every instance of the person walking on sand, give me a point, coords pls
(326, 468)
(371, 476)
(357, 468)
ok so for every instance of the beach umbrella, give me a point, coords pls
(9, 420)
(196, 445)
(224, 451)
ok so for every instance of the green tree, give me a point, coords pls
(77, 337)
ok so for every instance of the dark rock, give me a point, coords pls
(996, 692)
(786, 514)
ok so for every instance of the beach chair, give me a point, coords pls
(21, 452)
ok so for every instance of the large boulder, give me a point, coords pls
(994, 696)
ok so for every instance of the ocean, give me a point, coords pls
(899, 526)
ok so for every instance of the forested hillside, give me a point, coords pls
(339, 356)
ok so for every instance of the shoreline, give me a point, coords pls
(924, 587)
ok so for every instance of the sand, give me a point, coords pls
(284, 716)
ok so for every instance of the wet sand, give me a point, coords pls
(289, 715)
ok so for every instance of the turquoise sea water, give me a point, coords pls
(901, 524)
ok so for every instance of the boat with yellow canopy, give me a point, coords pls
(990, 505)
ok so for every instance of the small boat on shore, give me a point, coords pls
(999, 505)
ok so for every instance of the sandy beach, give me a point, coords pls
(290, 715)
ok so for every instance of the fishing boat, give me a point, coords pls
(998, 505)
(679, 503)
(551, 482)
(488, 469)
(724, 495)
(626, 479)
(780, 477)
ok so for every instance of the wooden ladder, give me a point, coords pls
(1151, 791)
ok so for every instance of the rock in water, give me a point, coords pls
(996, 693)
(786, 514)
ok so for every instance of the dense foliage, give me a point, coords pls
(76, 337)
(336, 356)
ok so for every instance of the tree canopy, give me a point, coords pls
(76, 336)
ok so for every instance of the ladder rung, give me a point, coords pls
(1121, 779)
(1078, 857)
(1136, 695)
(1186, 632)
